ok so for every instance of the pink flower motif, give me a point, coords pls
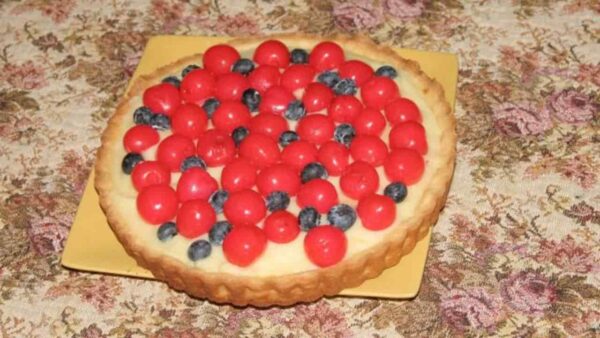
(568, 256)
(25, 76)
(520, 119)
(236, 25)
(528, 292)
(589, 72)
(357, 15)
(404, 9)
(320, 319)
(473, 308)
(579, 326)
(571, 106)
(48, 235)
(57, 10)
(581, 170)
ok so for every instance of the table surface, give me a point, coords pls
(516, 251)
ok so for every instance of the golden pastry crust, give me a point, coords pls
(299, 287)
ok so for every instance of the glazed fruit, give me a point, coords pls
(387, 71)
(238, 175)
(281, 227)
(157, 204)
(317, 96)
(329, 78)
(404, 165)
(288, 137)
(344, 133)
(272, 53)
(317, 193)
(173, 80)
(173, 150)
(251, 98)
(298, 154)
(376, 212)
(139, 138)
(298, 55)
(195, 218)
(325, 245)
(199, 249)
(189, 120)
(278, 177)
(369, 149)
(378, 92)
(316, 128)
(162, 98)
(334, 157)
(142, 115)
(345, 87)
(217, 200)
(278, 200)
(263, 78)
(356, 70)
(402, 110)
(268, 124)
(313, 170)
(216, 147)
(130, 161)
(297, 76)
(409, 135)
(195, 183)
(345, 108)
(369, 122)
(218, 232)
(231, 86)
(308, 218)
(295, 110)
(244, 207)
(326, 55)
(188, 69)
(239, 134)
(192, 162)
(244, 244)
(243, 66)
(396, 191)
(210, 106)
(160, 122)
(197, 86)
(166, 231)
(342, 216)
(149, 173)
(219, 59)
(230, 115)
(359, 179)
(261, 150)
(275, 101)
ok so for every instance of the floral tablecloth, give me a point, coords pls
(516, 251)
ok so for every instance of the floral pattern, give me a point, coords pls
(515, 252)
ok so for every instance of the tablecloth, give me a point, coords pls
(516, 251)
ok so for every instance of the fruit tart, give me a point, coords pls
(276, 170)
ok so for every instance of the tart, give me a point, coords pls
(276, 170)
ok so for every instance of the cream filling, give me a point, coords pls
(278, 259)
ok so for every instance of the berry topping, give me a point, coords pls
(297, 76)
(295, 110)
(215, 147)
(334, 156)
(238, 175)
(188, 69)
(251, 98)
(157, 204)
(344, 108)
(317, 96)
(195, 183)
(268, 124)
(173, 150)
(244, 207)
(192, 162)
(275, 101)
(217, 200)
(149, 173)
(272, 53)
(326, 55)
(239, 134)
(345, 87)
(298, 56)
(264, 77)
(139, 138)
(409, 135)
(230, 115)
(369, 148)
(281, 227)
(329, 78)
(260, 150)
(396, 191)
(387, 71)
(317, 193)
(376, 212)
(210, 106)
(358, 180)
(402, 110)
(243, 66)
(325, 245)
(244, 244)
(142, 115)
(316, 128)
(356, 70)
(369, 122)
(130, 161)
(308, 218)
(342, 216)
(172, 80)
(379, 91)
(278, 177)
(298, 154)
(166, 231)
(313, 170)
(278, 200)
(162, 98)
(195, 218)
(404, 165)
(287, 137)
(344, 134)
(218, 232)
(197, 86)
(230, 86)
(189, 120)
(199, 249)
(160, 122)
(219, 59)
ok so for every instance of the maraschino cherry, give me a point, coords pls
(237, 175)
(402, 110)
(299, 153)
(356, 70)
(316, 128)
(359, 179)
(244, 244)
(319, 194)
(263, 78)
(379, 91)
(326, 55)
(189, 120)
(219, 59)
(197, 86)
(260, 150)
(195, 218)
(278, 177)
(162, 98)
(334, 156)
(244, 207)
(157, 204)
(272, 53)
(216, 147)
(369, 122)
(404, 165)
(195, 183)
(325, 245)
(139, 138)
(149, 173)
(281, 227)
(409, 134)
(368, 148)
(376, 212)
(173, 150)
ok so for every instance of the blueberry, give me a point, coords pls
(172, 80)
(130, 161)
(217, 200)
(243, 66)
(287, 137)
(344, 133)
(199, 249)
(278, 200)
(295, 110)
(142, 115)
(313, 170)
(219, 230)
(387, 71)
(396, 191)
(308, 218)
(210, 106)
(299, 55)
(188, 69)
(191, 162)
(342, 216)
(239, 134)
(345, 87)
(160, 122)
(166, 231)
(329, 78)
(251, 98)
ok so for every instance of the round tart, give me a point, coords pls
(276, 170)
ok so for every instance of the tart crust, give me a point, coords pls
(298, 287)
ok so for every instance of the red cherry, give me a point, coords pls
(275, 101)
(379, 91)
(219, 59)
(244, 244)
(368, 148)
(189, 120)
(319, 194)
(157, 204)
(272, 53)
(173, 150)
(344, 108)
(334, 157)
(195, 218)
(278, 177)
(162, 98)
(297, 76)
(356, 70)
(195, 183)
(149, 173)
(325, 245)
(197, 86)
(409, 135)
(268, 124)
(263, 78)
(317, 97)
(376, 212)
(244, 207)
(238, 175)
(140, 138)
(326, 55)
(369, 122)
(358, 180)
(404, 165)
(298, 154)
(230, 115)
(315, 128)
(231, 86)
(215, 147)
(402, 110)
(281, 227)
(260, 150)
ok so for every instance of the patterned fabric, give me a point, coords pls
(516, 251)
